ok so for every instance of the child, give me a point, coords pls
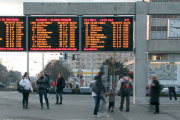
(111, 95)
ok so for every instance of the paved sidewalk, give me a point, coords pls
(80, 107)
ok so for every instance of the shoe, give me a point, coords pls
(170, 98)
(127, 110)
(175, 98)
(98, 116)
(112, 110)
(26, 105)
(156, 113)
(120, 109)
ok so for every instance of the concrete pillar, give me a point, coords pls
(140, 54)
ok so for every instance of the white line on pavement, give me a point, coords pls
(126, 116)
(108, 116)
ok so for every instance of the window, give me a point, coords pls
(88, 60)
(158, 35)
(153, 22)
(82, 55)
(131, 55)
(88, 55)
(99, 60)
(125, 56)
(104, 56)
(77, 63)
(72, 63)
(98, 63)
(99, 55)
(159, 21)
(153, 35)
(88, 64)
(164, 22)
(82, 63)
(94, 60)
(77, 55)
(82, 59)
(164, 35)
(88, 68)
(93, 56)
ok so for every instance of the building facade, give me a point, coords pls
(86, 59)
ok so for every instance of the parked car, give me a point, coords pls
(2, 85)
(167, 90)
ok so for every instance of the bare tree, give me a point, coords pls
(4, 75)
(56, 67)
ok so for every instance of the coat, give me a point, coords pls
(171, 89)
(112, 96)
(48, 78)
(154, 92)
(59, 85)
(26, 83)
(100, 86)
(43, 84)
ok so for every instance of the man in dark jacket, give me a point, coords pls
(172, 90)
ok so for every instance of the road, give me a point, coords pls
(80, 107)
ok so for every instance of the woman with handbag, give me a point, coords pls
(60, 86)
(43, 84)
(26, 83)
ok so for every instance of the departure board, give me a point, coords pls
(12, 33)
(53, 33)
(107, 34)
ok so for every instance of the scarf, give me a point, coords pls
(57, 80)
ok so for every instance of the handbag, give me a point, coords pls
(20, 88)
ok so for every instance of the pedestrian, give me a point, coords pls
(124, 87)
(60, 86)
(53, 84)
(99, 89)
(172, 90)
(47, 75)
(111, 95)
(43, 85)
(155, 91)
(94, 95)
(26, 83)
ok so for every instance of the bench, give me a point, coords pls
(67, 90)
(85, 90)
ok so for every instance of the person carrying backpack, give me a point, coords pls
(125, 86)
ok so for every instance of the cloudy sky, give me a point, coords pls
(18, 60)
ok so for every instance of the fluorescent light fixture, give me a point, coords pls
(159, 62)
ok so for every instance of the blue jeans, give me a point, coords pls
(41, 95)
(60, 94)
(97, 104)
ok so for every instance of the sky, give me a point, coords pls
(18, 61)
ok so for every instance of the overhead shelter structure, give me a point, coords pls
(142, 46)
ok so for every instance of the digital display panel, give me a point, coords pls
(107, 34)
(12, 33)
(53, 33)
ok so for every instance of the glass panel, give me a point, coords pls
(158, 35)
(164, 16)
(153, 22)
(165, 0)
(158, 28)
(153, 28)
(159, 16)
(164, 28)
(159, 22)
(153, 35)
(170, 16)
(164, 35)
(164, 22)
(153, 16)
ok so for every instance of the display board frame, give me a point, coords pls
(50, 16)
(133, 17)
(25, 41)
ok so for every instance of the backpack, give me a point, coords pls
(127, 86)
